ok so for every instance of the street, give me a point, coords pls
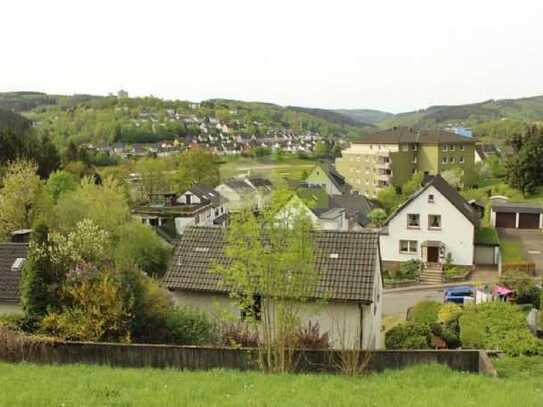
(397, 303)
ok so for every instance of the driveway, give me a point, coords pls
(397, 303)
(531, 242)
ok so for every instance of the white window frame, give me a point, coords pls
(412, 246)
(444, 147)
(461, 160)
(413, 226)
(430, 227)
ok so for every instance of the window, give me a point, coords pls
(451, 160)
(452, 147)
(444, 147)
(414, 161)
(431, 198)
(414, 147)
(444, 160)
(408, 246)
(413, 171)
(413, 220)
(434, 221)
(253, 310)
(405, 147)
(461, 148)
(188, 199)
(461, 160)
(371, 146)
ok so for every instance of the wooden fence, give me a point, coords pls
(192, 357)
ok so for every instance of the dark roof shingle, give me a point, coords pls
(347, 275)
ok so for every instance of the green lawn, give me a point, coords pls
(287, 167)
(486, 235)
(31, 385)
(511, 251)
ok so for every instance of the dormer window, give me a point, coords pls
(431, 198)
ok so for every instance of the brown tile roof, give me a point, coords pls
(346, 262)
(397, 135)
(9, 279)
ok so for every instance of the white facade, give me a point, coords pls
(334, 219)
(456, 232)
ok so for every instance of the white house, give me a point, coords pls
(199, 205)
(246, 193)
(349, 293)
(434, 222)
(322, 219)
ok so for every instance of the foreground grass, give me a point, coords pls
(31, 385)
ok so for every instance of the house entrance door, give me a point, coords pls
(432, 254)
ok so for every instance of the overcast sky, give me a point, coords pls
(383, 54)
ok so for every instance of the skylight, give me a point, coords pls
(17, 264)
(334, 255)
(201, 249)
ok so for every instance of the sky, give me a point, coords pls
(387, 55)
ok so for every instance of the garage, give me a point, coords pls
(528, 221)
(505, 220)
(515, 215)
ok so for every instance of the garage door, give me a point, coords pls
(484, 255)
(505, 220)
(528, 221)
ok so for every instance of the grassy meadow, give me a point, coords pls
(424, 385)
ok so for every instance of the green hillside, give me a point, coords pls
(524, 109)
(365, 115)
(104, 120)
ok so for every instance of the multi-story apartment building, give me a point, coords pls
(392, 156)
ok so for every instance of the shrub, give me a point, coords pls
(449, 312)
(516, 280)
(450, 335)
(409, 336)
(309, 337)
(239, 335)
(498, 325)
(424, 312)
(377, 217)
(411, 268)
(187, 326)
(13, 322)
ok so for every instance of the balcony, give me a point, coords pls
(384, 177)
(384, 165)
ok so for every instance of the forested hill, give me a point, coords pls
(333, 116)
(14, 121)
(104, 120)
(528, 109)
(365, 115)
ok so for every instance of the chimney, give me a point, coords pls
(21, 236)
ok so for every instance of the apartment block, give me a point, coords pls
(391, 157)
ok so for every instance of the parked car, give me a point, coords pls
(459, 295)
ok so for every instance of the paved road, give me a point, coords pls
(531, 241)
(398, 303)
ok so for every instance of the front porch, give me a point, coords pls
(433, 257)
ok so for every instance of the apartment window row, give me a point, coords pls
(452, 147)
(452, 160)
(407, 147)
(434, 221)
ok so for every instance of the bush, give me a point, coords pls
(187, 326)
(424, 312)
(449, 312)
(526, 291)
(450, 335)
(309, 337)
(14, 322)
(239, 335)
(410, 269)
(498, 325)
(409, 336)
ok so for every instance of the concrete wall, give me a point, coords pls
(457, 232)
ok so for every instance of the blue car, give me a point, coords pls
(459, 295)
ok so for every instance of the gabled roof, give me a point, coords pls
(402, 134)
(448, 192)
(335, 177)
(345, 261)
(9, 279)
(502, 205)
(486, 150)
(206, 193)
(356, 206)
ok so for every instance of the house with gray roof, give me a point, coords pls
(171, 212)
(347, 298)
(435, 223)
(246, 193)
